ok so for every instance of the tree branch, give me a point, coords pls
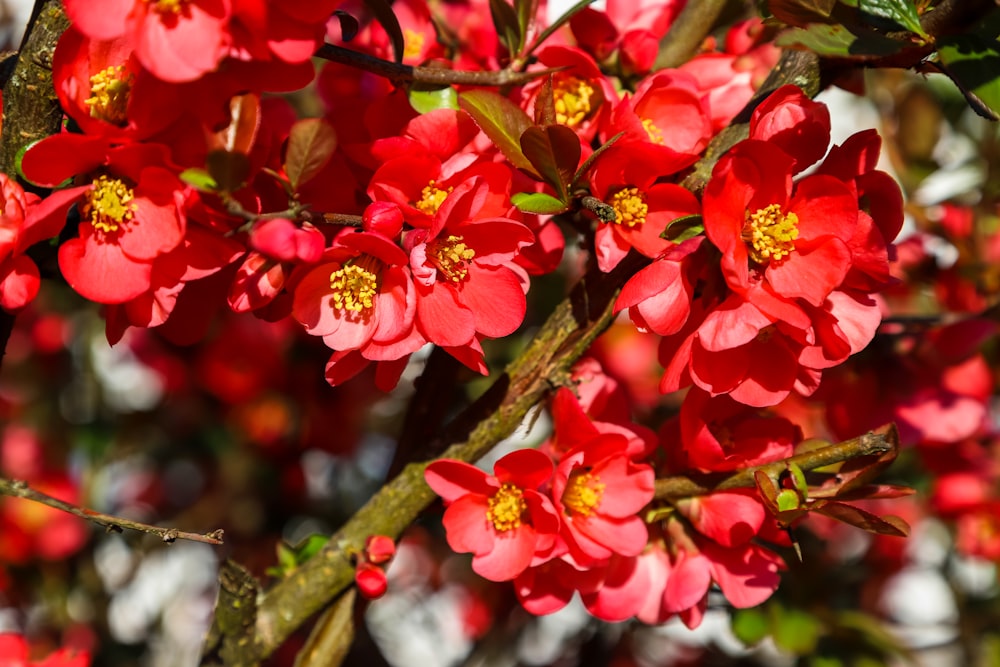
(19, 489)
(869, 444)
(687, 32)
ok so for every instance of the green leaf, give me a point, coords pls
(425, 99)
(502, 121)
(538, 202)
(311, 143)
(526, 11)
(795, 630)
(973, 63)
(839, 40)
(788, 500)
(310, 546)
(750, 625)
(799, 480)
(899, 13)
(554, 151)
(683, 228)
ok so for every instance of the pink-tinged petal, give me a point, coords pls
(511, 555)
(793, 122)
(443, 317)
(825, 206)
(396, 304)
(461, 205)
(496, 241)
(627, 536)
(747, 577)
(572, 425)
(496, 299)
(811, 273)
(688, 583)
(48, 217)
(736, 322)
(179, 50)
(727, 517)
(609, 247)
(657, 565)
(718, 372)
(667, 309)
(19, 282)
(342, 366)
(374, 244)
(99, 271)
(628, 486)
(623, 593)
(158, 226)
(354, 330)
(770, 377)
(540, 591)
(525, 468)
(471, 355)
(543, 517)
(452, 479)
(467, 527)
(312, 305)
(100, 21)
(858, 316)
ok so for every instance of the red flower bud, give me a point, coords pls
(383, 217)
(379, 549)
(370, 580)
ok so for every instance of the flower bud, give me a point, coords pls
(383, 217)
(370, 580)
(379, 549)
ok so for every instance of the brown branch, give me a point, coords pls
(687, 33)
(869, 444)
(19, 489)
(404, 74)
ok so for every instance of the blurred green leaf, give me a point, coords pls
(973, 63)
(424, 100)
(750, 625)
(199, 179)
(788, 500)
(794, 630)
(505, 21)
(538, 202)
(839, 40)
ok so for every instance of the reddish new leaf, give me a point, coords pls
(554, 151)
(855, 516)
(311, 143)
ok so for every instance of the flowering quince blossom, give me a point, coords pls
(19, 279)
(625, 178)
(464, 286)
(360, 297)
(502, 519)
(132, 212)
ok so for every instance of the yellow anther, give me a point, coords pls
(770, 233)
(655, 134)
(109, 91)
(413, 43)
(451, 256)
(167, 6)
(109, 204)
(583, 492)
(630, 207)
(573, 99)
(431, 198)
(506, 508)
(354, 288)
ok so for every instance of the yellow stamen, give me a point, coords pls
(506, 508)
(109, 204)
(355, 286)
(630, 207)
(414, 43)
(431, 198)
(109, 91)
(451, 257)
(167, 6)
(770, 233)
(583, 492)
(655, 133)
(573, 99)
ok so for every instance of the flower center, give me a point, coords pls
(583, 492)
(355, 286)
(506, 507)
(431, 198)
(630, 207)
(572, 98)
(655, 134)
(109, 204)
(414, 43)
(770, 233)
(451, 257)
(167, 6)
(109, 91)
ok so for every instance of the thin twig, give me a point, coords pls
(402, 74)
(687, 33)
(20, 489)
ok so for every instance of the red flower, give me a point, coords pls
(14, 653)
(501, 519)
(625, 178)
(464, 286)
(599, 492)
